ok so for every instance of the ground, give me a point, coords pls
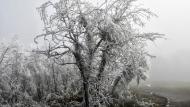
(166, 94)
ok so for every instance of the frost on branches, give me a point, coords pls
(102, 40)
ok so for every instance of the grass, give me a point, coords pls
(170, 94)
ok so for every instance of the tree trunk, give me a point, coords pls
(54, 79)
(84, 75)
(128, 75)
(85, 87)
(86, 93)
(116, 81)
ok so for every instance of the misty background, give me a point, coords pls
(20, 18)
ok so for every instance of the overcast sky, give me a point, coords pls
(20, 17)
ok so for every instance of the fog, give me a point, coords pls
(173, 54)
(20, 17)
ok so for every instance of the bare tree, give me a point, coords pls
(99, 38)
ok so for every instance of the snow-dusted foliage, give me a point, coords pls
(26, 79)
(93, 50)
(102, 39)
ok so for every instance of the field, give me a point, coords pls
(176, 93)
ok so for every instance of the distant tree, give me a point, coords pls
(102, 39)
(12, 78)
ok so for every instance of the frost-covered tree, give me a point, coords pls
(101, 38)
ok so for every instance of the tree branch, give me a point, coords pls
(3, 55)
